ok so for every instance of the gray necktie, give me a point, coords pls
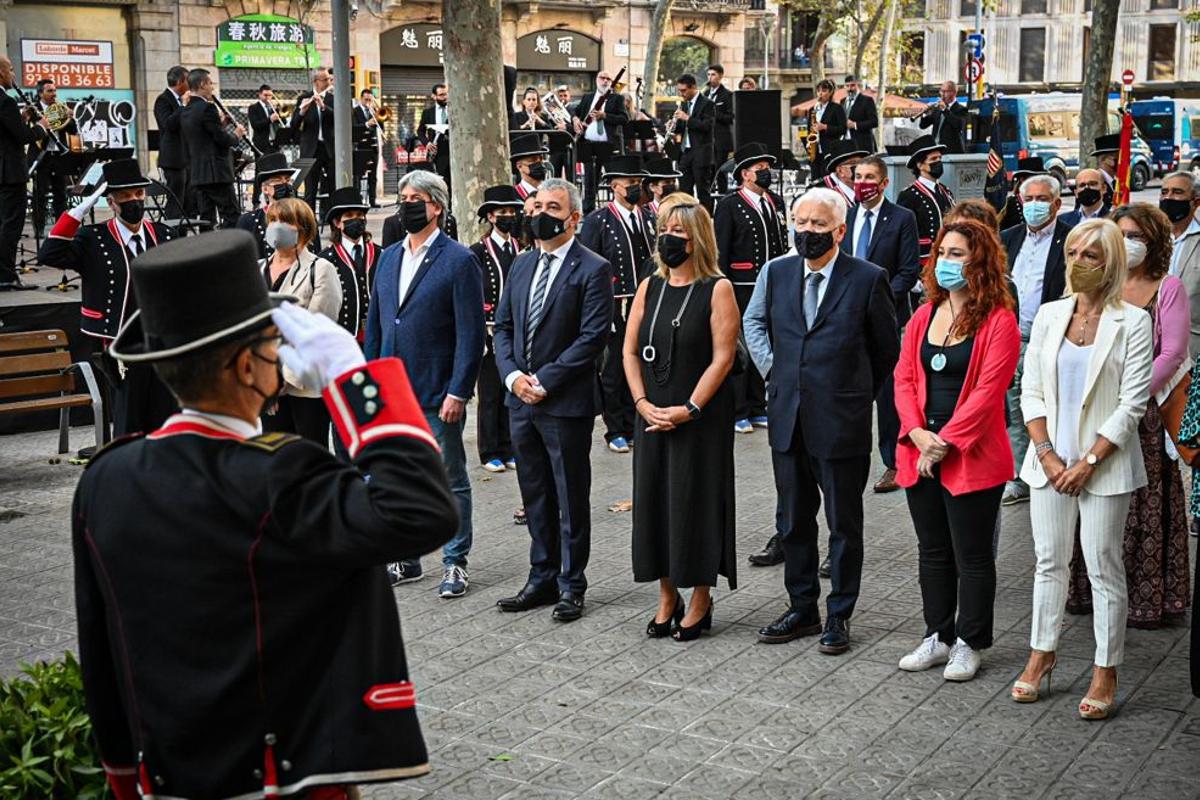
(810, 298)
(536, 306)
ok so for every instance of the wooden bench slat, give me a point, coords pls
(69, 401)
(32, 340)
(34, 362)
(37, 384)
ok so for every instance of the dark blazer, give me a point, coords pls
(864, 114)
(741, 247)
(953, 124)
(1054, 279)
(441, 160)
(614, 117)
(262, 129)
(574, 330)
(701, 125)
(356, 285)
(364, 136)
(14, 136)
(825, 379)
(605, 233)
(1074, 217)
(208, 144)
(835, 118)
(893, 247)
(168, 114)
(722, 100)
(35, 149)
(393, 229)
(438, 328)
(304, 127)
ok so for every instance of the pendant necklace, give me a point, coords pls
(938, 362)
(650, 352)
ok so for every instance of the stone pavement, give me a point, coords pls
(518, 706)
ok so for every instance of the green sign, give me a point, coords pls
(265, 41)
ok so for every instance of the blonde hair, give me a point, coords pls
(1105, 233)
(295, 212)
(699, 226)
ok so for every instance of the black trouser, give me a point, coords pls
(365, 162)
(12, 219)
(176, 181)
(560, 165)
(48, 180)
(319, 182)
(956, 565)
(697, 174)
(749, 389)
(801, 480)
(491, 419)
(594, 156)
(615, 400)
(889, 422)
(306, 416)
(217, 203)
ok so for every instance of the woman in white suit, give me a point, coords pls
(1087, 380)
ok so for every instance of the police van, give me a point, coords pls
(1172, 129)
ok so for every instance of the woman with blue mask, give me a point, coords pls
(958, 356)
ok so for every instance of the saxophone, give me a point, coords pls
(813, 141)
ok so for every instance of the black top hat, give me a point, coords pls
(625, 167)
(503, 196)
(526, 144)
(346, 198)
(661, 168)
(1108, 143)
(1033, 165)
(272, 164)
(195, 293)
(842, 150)
(921, 147)
(124, 173)
(749, 153)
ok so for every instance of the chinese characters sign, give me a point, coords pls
(415, 45)
(265, 41)
(70, 64)
(558, 51)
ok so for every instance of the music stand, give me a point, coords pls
(301, 167)
(182, 226)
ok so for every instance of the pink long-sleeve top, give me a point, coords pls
(1172, 328)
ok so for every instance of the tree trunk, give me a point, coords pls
(889, 28)
(479, 112)
(659, 21)
(826, 27)
(865, 38)
(1097, 76)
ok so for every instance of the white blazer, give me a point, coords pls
(1114, 397)
(314, 283)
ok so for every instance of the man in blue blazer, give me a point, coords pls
(828, 328)
(427, 309)
(553, 322)
(879, 231)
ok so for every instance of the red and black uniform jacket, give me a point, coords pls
(356, 284)
(747, 238)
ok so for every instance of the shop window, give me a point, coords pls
(1032, 67)
(1162, 53)
(966, 8)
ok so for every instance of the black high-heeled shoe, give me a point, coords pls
(658, 630)
(687, 633)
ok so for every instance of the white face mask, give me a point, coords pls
(1135, 253)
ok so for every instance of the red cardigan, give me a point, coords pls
(980, 455)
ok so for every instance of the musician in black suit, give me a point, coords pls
(208, 144)
(722, 100)
(15, 134)
(50, 178)
(172, 152)
(267, 130)
(600, 133)
(437, 142)
(862, 117)
(312, 125)
(364, 124)
(695, 120)
(948, 119)
(829, 123)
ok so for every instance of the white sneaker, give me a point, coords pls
(964, 662)
(929, 653)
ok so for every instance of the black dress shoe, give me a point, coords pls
(13, 286)
(569, 607)
(792, 625)
(529, 597)
(770, 555)
(836, 638)
(824, 570)
(688, 633)
(658, 630)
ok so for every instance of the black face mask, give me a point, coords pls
(936, 169)
(506, 225)
(1088, 197)
(669, 188)
(132, 211)
(283, 191)
(672, 249)
(814, 244)
(413, 216)
(763, 178)
(1176, 210)
(545, 227)
(633, 194)
(270, 399)
(537, 171)
(354, 228)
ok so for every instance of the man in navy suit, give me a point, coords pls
(427, 309)
(553, 322)
(1089, 198)
(828, 328)
(879, 231)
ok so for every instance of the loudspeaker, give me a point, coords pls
(756, 119)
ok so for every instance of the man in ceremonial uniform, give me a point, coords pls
(843, 157)
(366, 142)
(312, 125)
(172, 152)
(208, 145)
(529, 162)
(623, 233)
(1106, 151)
(829, 122)
(275, 177)
(662, 179)
(495, 252)
(237, 634)
(927, 198)
(50, 177)
(354, 255)
(101, 254)
(15, 133)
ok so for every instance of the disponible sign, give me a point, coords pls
(70, 64)
(265, 41)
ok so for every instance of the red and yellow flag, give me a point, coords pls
(1124, 156)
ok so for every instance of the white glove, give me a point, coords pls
(80, 211)
(318, 349)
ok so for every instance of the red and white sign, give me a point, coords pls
(70, 64)
(974, 70)
(1127, 77)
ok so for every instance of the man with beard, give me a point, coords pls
(599, 127)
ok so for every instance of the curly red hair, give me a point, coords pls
(986, 273)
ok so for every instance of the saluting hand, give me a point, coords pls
(318, 350)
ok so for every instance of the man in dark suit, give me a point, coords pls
(1038, 268)
(831, 323)
(599, 131)
(15, 134)
(312, 125)
(552, 324)
(862, 117)
(829, 123)
(883, 233)
(948, 119)
(365, 127)
(427, 309)
(1026, 168)
(437, 140)
(1089, 198)
(722, 100)
(695, 120)
(208, 145)
(267, 131)
(172, 152)
(51, 177)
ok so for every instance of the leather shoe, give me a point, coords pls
(528, 598)
(824, 571)
(887, 482)
(836, 638)
(792, 625)
(569, 607)
(770, 555)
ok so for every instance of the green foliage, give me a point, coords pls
(46, 747)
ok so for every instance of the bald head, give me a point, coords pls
(948, 92)
(6, 71)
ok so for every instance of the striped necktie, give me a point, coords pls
(537, 306)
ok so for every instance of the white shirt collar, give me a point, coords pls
(927, 182)
(127, 234)
(527, 186)
(424, 248)
(1044, 233)
(233, 424)
(178, 97)
(560, 255)
(847, 187)
(625, 213)
(1194, 227)
(827, 270)
(348, 245)
(497, 238)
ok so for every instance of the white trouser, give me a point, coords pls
(1102, 528)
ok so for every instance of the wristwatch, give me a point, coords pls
(692, 409)
(1091, 459)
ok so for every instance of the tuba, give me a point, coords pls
(555, 108)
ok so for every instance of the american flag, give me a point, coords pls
(996, 188)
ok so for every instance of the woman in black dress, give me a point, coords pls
(679, 348)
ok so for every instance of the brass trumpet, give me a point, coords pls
(938, 106)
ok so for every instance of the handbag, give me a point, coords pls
(1172, 410)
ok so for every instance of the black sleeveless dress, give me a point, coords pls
(683, 491)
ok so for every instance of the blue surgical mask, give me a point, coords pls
(1036, 212)
(949, 274)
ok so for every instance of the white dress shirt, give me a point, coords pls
(1073, 363)
(1029, 273)
(827, 271)
(232, 424)
(127, 235)
(528, 187)
(860, 219)
(410, 262)
(349, 244)
(931, 185)
(498, 239)
(560, 256)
